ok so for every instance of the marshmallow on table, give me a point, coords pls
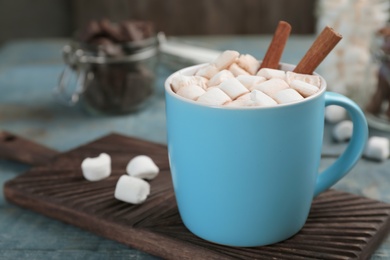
(248, 63)
(131, 189)
(272, 86)
(261, 99)
(143, 167)
(181, 80)
(287, 96)
(207, 71)
(377, 148)
(192, 92)
(237, 70)
(305, 89)
(225, 59)
(233, 88)
(334, 114)
(97, 168)
(219, 77)
(271, 73)
(214, 96)
(311, 79)
(343, 131)
(249, 81)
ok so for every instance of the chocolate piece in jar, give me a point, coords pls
(112, 30)
(119, 88)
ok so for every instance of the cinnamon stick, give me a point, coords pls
(321, 47)
(276, 47)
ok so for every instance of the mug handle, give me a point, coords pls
(355, 148)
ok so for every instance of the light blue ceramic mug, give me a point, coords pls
(247, 176)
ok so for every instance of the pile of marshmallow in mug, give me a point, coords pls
(235, 80)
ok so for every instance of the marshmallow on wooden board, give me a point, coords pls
(271, 73)
(342, 131)
(131, 189)
(214, 96)
(262, 99)
(219, 77)
(272, 86)
(249, 81)
(233, 88)
(181, 80)
(142, 166)
(335, 114)
(377, 148)
(207, 71)
(287, 96)
(97, 168)
(248, 63)
(225, 59)
(305, 89)
(237, 70)
(192, 92)
(311, 79)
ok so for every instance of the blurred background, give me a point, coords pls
(117, 91)
(60, 18)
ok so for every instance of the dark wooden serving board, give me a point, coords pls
(340, 225)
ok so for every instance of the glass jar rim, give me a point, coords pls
(134, 51)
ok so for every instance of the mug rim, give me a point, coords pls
(285, 66)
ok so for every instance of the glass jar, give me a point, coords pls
(107, 84)
(377, 109)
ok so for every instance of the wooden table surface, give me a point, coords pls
(28, 72)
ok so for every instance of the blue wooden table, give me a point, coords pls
(28, 72)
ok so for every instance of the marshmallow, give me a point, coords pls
(271, 73)
(248, 63)
(272, 86)
(131, 189)
(191, 92)
(181, 80)
(214, 96)
(261, 99)
(250, 81)
(207, 71)
(143, 167)
(98, 168)
(287, 96)
(237, 70)
(240, 103)
(246, 96)
(335, 114)
(225, 59)
(219, 77)
(305, 89)
(233, 88)
(343, 131)
(311, 79)
(377, 148)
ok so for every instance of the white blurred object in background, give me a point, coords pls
(349, 68)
